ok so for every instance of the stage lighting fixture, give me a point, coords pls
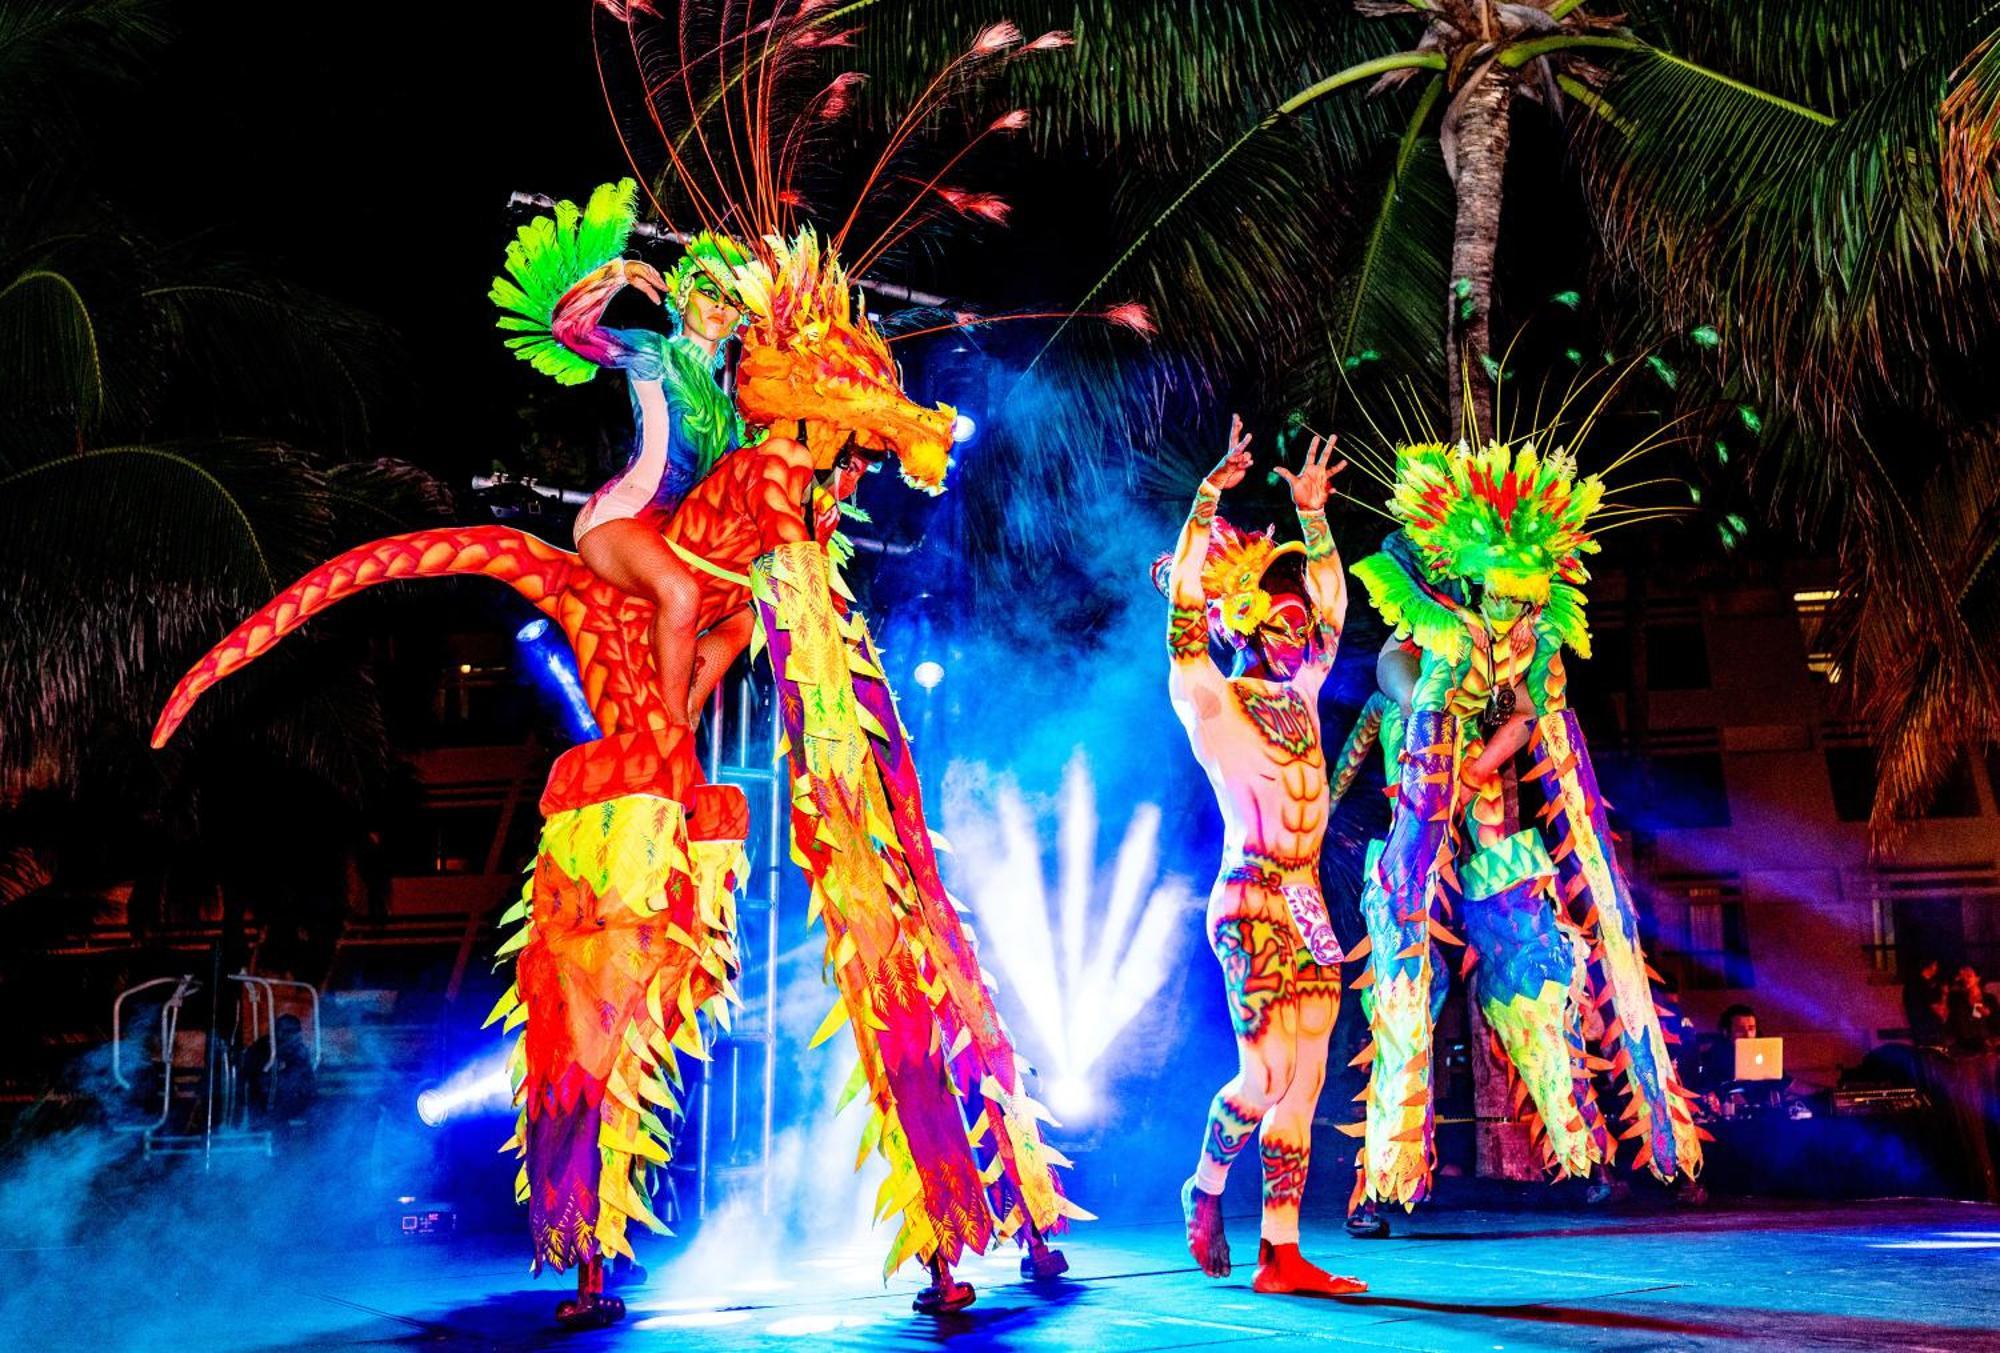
(549, 665)
(479, 1087)
(928, 674)
(964, 428)
(1083, 970)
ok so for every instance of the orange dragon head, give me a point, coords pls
(811, 356)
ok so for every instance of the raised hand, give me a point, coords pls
(1312, 485)
(1235, 462)
(645, 278)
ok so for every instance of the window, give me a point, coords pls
(1921, 913)
(1812, 604)
(1702, 929)
(1676, 648)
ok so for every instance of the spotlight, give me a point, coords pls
(479, 1087)
(549, 665)
(1071, 1097)
(964, 428)
(928, 674)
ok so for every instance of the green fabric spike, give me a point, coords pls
(548, 256)
(1562, 616)
(1409, 609)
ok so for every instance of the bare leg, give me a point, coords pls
(631, 556)
(1396, 672)
(1285, 1143)
(1507, 740)
(713, 652)
(1256, 958)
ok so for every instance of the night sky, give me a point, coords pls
(367, 151)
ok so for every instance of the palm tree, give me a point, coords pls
(1807, 187)
(153, 488)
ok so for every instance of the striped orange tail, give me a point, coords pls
(532, 567)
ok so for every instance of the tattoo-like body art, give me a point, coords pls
(1285, 1166)
(1206, 500)
(1282, 716)
(1256, 960)
(1231, 1124)
(1187, 633)
(1319, 536)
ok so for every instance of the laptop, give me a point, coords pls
(1760, 1059)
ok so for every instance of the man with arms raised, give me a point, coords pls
(1256, 733)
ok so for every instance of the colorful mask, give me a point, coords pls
(711, 263)
(1232, 577)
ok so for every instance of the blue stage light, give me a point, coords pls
(928, 674)
(479, 1087)
(964, 428)
(549, 665)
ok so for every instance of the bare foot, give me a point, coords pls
(1282, 1269)
(1203, 1214)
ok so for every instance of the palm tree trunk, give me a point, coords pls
(1478, 127)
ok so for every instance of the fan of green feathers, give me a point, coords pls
(548, 256)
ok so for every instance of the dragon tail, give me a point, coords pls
(532, 567)
(1354, 751)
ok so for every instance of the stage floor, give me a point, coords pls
(1857, 1275)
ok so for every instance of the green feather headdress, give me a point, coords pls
(547, 257)
(1510, 520)
(716, 257)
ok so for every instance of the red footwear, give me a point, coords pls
(945, 1293)
(1282, 1269)
(1202, 1212)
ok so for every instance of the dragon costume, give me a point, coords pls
(1541, 908)
(628, 921)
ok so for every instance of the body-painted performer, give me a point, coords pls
(562, 274)
(1256, 734)
(1486, 578)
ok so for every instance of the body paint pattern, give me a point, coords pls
(1281, 716)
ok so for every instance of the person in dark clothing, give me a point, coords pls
(1924, 1003)
(1969, 1034)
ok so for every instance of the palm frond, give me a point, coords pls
(262, 357)
(122, 564)
(49, 349)
(1971, 117)
(54, 52)
(1823, 53)
(1386, 322)
(1148, 80)
(1823, 250)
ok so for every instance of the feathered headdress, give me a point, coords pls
(1232, 575)
(1511, 520)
